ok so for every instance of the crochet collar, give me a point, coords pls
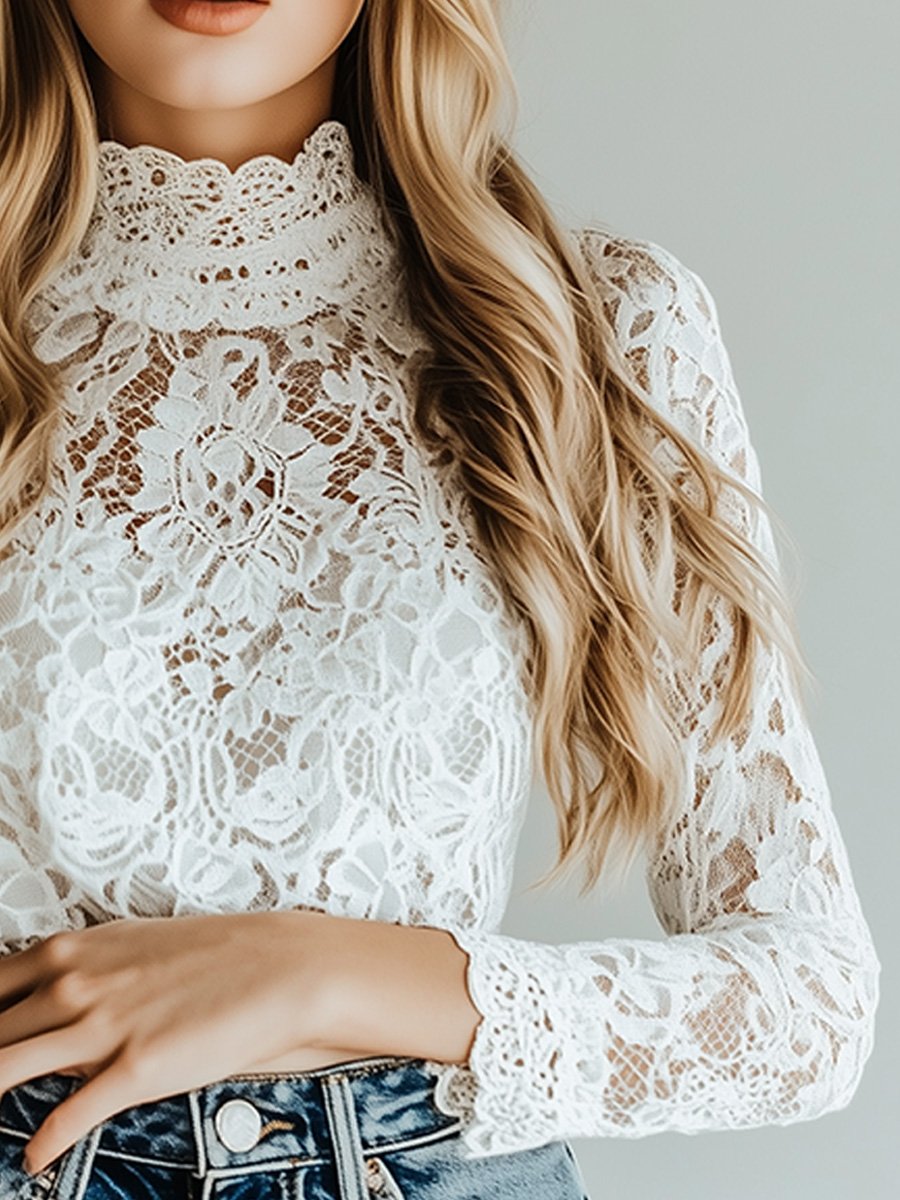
(180, 242)
(150, 194)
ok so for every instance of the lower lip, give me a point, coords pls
(209, 17)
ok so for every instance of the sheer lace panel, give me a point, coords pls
(757, 1006)
(253, 657)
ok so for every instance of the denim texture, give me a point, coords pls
(364, 1130)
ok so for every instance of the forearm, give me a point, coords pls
(394, 989)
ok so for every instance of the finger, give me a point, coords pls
(107, 1093)
(38, 1012)
(19, 973)
(55, 1050)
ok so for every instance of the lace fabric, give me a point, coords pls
(758, 1005)
(178, 245)
(252, 657)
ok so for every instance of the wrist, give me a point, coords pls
(304, 963)
(394, 989)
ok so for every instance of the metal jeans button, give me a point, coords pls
(238, 1125)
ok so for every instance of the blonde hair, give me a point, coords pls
(525, 388)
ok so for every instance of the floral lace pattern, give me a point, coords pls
(758, 1006)
(252, 657)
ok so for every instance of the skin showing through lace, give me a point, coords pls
(521, 382)
(263, 655)
(232, 99)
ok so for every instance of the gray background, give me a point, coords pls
(760, 143)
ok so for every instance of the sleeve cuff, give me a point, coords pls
(523, 1074)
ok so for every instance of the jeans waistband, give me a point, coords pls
(258, 1119)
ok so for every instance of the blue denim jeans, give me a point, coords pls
(364, 1130)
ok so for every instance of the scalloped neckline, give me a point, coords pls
(176, 241)
(329, 132)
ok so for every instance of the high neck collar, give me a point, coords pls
(145, 191)
(179, 242)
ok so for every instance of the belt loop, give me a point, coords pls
(202, 1163)
(72, 1180)
(344, 1129)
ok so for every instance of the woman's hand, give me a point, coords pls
(147, 1007)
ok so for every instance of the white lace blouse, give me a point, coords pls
(251, 657)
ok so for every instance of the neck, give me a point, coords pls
(277, 125)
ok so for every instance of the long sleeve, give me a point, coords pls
(757, 1006)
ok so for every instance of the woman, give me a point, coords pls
(342, 490)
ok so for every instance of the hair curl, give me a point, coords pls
(608, 560)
